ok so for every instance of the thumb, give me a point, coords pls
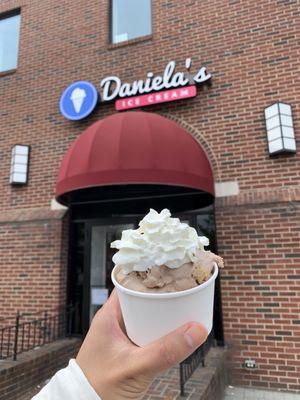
(171, 349)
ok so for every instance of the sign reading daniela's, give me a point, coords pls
(170, 86)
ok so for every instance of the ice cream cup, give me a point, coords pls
(149, 316)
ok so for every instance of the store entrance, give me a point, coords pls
(90, 262)
(100, 263)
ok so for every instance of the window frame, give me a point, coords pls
(124, 42)
(5, 15)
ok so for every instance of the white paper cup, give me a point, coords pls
(149, 316)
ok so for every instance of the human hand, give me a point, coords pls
(116, 368)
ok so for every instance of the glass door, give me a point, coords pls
(100, 266)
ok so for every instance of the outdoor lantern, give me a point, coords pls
(280, 131)
(19, 165)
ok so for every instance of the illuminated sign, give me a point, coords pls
(78, 100)
(141, 93)
(172, 85)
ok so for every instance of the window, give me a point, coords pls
(9, 41)
(130, 19)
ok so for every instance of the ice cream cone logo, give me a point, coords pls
(78, 100)
(77, 97)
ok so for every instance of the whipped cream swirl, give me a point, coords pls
(159, 240)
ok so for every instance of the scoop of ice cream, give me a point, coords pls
(204, 264)
(159, 279)
(159, 240)
(164, 279)
(78, 93)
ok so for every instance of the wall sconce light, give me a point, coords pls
(280, 131)
(19, 165)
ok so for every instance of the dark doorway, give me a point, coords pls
(90, 262)
(91, 265)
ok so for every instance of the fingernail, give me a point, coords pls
(194, 336)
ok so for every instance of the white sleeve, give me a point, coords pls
(69, 383)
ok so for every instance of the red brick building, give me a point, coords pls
(251, 50)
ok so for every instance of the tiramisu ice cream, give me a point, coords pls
(163, 255)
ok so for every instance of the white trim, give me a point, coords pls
(224, 189)
(57, 206)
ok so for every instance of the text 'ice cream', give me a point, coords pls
(163, 255)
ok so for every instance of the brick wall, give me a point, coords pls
(32, 262)
(251, 49)
(261, 292)
(34, 367)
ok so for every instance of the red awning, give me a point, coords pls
(134, 148)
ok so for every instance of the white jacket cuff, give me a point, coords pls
(69, 383)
